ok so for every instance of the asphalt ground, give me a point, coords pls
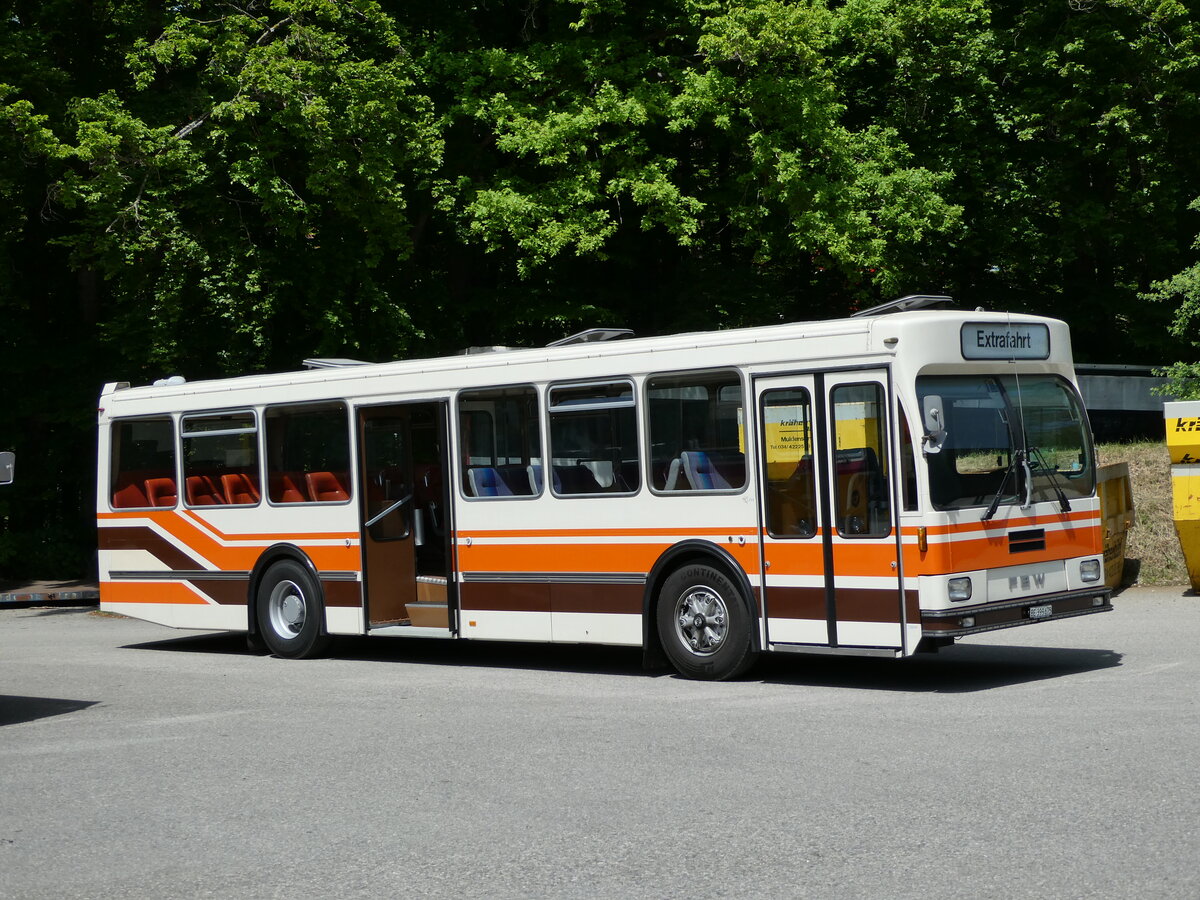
(1056, 760)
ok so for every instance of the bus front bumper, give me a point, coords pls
(1011, 613)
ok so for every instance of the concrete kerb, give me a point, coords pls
(40, 593)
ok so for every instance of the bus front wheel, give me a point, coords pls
(290, 611)
(704, 624)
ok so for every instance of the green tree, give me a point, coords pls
(1068, 128)
(1182, 291)
(209, 189)
(50, 52)
(251, 191)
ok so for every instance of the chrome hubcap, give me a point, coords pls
(701, 620)
(287, 609)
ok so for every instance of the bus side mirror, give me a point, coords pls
(8, 464)
(935, 424)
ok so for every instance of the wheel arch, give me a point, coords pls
(268, 558)
(679, 555)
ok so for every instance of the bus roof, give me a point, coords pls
(872, 336)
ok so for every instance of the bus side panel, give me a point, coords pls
(573, 569)
(178, 568)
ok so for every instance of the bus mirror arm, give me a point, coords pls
(935, 424)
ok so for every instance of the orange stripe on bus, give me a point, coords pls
(148, 592)
(608, 532)
(163, 516)
(196, 539)
(867, 558)
(993, 552)
(271, 537)
(1006, 525)
(583, 558)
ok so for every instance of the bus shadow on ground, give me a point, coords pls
(585, 659)
(15, 710)
(958, 669)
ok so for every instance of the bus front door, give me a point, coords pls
(404, 494)
(831, 568)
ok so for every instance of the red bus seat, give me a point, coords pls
(161, 491)
(202, 492)
(325, 487)
(129, 495)
(285, 488)
(240, 489)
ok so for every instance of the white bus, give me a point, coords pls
(870, 486)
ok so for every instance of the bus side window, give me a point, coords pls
(695, 424)
(500, 441)
(220, 459)
(593, 439)
(308, 454)
(143, 470)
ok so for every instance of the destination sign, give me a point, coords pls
(989, 340)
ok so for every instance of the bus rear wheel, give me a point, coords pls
(290, 612)
(704, 624)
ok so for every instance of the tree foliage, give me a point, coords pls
(1183, 292)
(207, 188)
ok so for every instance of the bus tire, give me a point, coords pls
(290, 612)
(704, 624)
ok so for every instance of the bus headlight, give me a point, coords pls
(1089, 570)
(959, 588)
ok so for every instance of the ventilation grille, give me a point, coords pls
(1025, 541)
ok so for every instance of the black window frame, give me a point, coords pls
(475, 394)
(116, 448)
(739, 378)
(814, 494)
(265, 451)
(885, 468)
(566, 409)
(184, 436)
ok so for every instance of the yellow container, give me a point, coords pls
(1183, 431)
(1116, 508)
(1183, 443)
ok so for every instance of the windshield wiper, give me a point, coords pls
(1052, 475)
(1020, 458)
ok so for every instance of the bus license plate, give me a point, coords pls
(1041, 612)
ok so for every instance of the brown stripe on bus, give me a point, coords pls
(342, 594)
(505, 596)
(142, 538)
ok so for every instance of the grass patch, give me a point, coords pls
(1152, 554)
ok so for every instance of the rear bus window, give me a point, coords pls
(220, 459)
(143, 471)
(696, 432)
(308, 454)
(501, 443)
(593, 439)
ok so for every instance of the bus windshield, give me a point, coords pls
(1008, 438)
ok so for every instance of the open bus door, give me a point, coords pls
(405, 505)
(832, 575)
